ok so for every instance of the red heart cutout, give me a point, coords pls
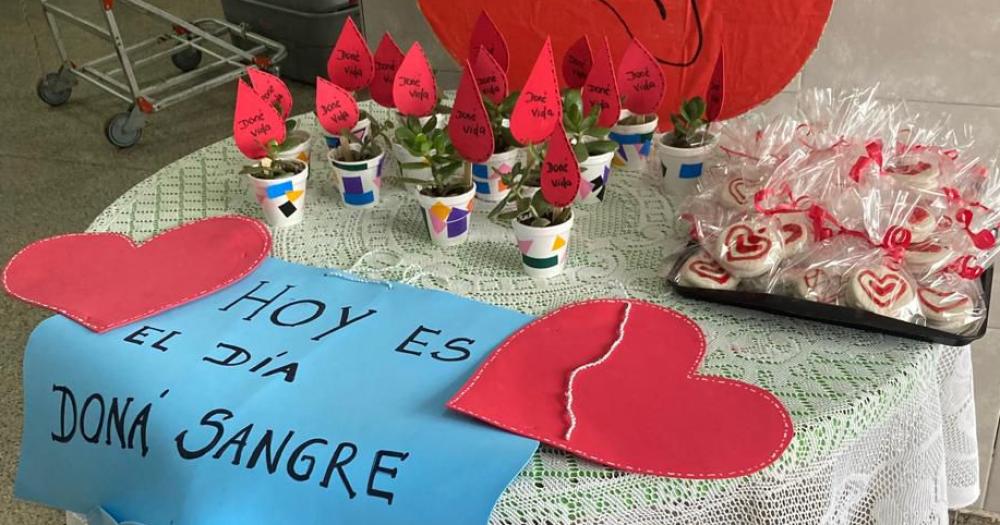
(880, 288)
(105, 280)
(643, 408)
(748, 245)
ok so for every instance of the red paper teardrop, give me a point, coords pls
(577, 62)
(715, 96)
(486, 34)
(601, 88)
(271, 90)
(255, 122)
(640, 79)
(490, 77)
(388, 57)
(469, 125)
(560, 171)
(414, 91)
(336, 109)
(539, 106)
(350, 65)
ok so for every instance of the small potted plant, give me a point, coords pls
(296, 144)
(447, 198)
(591, 146)
(412, 167)
(488, 176)
(634, 135)
(279, 185)
(642, 87)
(357, 165)
(682, 152)
(273, 91)
(540, 229)
(360, 130)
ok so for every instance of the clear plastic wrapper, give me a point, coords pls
(952, 302)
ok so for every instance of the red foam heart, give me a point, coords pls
(415, 89)
(486, 34)
(577, 62)
(643, 408)
(601, 88)
(336, 109)
(560, 172)
(641, 80)
(255, 122)
(490, 76)
(539, 106)
(350, 64)
(469, 126)
(387, 59)
(271, 90)
(105, 280)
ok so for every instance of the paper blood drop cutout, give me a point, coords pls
(350, 64)
(414, 90)
(336, 109)
(539, 106)
(105, 280)
(387, 59)
(490, 77)
(640, 79)
(577, 62)
(560, 171)
(601, 88)
(486, 34)
(255, 122)
(469, 125)
(271, 89)
(716, 94)
(644, 409)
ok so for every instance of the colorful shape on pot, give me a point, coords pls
(640, 79)
(559, 242)
(440, 211)
(387, 59)
(437, 223)
(350, 64)
(524, 246)
(540, 263)
(414, 90)
(577, 62)
(539, 106)
(690, 171)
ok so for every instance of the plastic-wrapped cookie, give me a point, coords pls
(921, 224)
(737, 193)
(880, 289)
(749, 250)
(946, 310)
(702, 272)
(796, 232)
(915, 172)
(926, 256)
(817, 285)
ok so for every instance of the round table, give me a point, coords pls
(884, 427)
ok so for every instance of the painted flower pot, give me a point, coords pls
(543, 250)
(487, 176)
(447, 218)
(283, 200)
(302, 150)
(402, 156)
(681, 167)
(359, 182)
(635, 144)
(360, 131)
(595, 172)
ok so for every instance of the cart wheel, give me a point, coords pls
(49, 91)
(116, 133)
(186, 59)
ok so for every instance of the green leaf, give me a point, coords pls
(600, 147)
(415, 165)
(508, 216)
(430, 125)
(290, 125)
(598, 132)
(580, 150)
(539, 204)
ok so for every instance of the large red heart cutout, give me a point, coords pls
(105, 280)
(639, 405)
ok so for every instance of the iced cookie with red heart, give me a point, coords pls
(796, 232)
(701, 271)
(881, 290)
(749, 250)
(737, 193)
(921, 224)
(945, 309)
(915, 172)
(817, 285)
(926, 256)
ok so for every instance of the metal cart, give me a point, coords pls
(186, 45)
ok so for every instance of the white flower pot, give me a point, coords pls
(595, 173)
(300, 152)
(360, 131)
(359, 182)
(486, 176)
(543, 250)
(682, 167)
(403, 155)
(635, 144)
(283, 200)
(447, 218)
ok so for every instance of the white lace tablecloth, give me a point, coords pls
(884, 427)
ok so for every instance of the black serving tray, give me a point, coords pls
(828, 313)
